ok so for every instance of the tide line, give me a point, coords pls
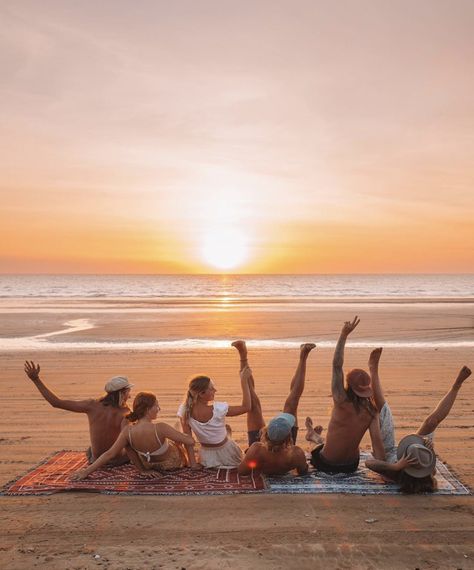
(41, 343)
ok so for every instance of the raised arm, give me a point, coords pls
(120, 443)
(337, 385)
(32, 370)
(246, 405)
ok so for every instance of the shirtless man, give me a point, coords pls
(354, 413)
(106, 415)
(272, 448)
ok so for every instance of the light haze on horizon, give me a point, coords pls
(329, 137)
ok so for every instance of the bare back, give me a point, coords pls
(269, 462)
(105, 423)
(345, 431)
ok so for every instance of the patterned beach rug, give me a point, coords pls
(53, 476)
(362, 482)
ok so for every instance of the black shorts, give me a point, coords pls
(254, 435)
(317, 460)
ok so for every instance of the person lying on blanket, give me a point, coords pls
(412, 464)
(159, 447)
(272, 448)
(106, 415)
(354, 412)
(206, 418)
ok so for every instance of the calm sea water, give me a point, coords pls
(170, 312)
(238, 286)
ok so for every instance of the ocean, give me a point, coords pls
(211, 287)
(181, 312)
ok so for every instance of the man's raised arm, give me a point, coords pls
(337, 385)
(32, 370)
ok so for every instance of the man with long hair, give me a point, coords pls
(354, 412)
(106, 415)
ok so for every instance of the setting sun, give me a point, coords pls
(225, 248)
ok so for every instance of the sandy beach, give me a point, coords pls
(311, 531)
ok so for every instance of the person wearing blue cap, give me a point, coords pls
(272, 448)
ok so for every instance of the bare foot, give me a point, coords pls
(241, 347)
(313, 433)
(306, 348)
(375, 357)
(464, 373)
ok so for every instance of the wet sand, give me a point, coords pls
(311, 531)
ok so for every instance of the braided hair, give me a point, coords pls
(197, 385)
(141, 404)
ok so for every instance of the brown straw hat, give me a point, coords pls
(359, 381)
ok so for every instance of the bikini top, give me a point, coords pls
(149, 454)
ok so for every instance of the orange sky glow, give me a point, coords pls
(248, 137)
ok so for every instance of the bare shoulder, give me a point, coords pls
(163, 427)
(91, 404)
(298, 453)
(256, 448)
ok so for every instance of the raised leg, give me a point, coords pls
(375, 378)
(442, 410)
(255, 420)
(297, 383)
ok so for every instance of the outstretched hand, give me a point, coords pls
(79, 475)
(32, 370)
(427, 442)
(350, 326)
(407, 461)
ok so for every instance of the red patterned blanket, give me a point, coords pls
(53, 476)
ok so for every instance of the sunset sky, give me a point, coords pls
(254, 136)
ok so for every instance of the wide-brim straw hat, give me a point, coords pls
(413, 445)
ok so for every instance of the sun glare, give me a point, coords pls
(225, 248)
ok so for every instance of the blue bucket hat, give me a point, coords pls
(279, 427)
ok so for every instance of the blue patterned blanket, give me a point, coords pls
(362, 482)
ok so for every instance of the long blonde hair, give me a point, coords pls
(197, 384)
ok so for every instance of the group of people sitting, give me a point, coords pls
(119, 435)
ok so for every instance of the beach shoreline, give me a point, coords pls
(277, 531)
